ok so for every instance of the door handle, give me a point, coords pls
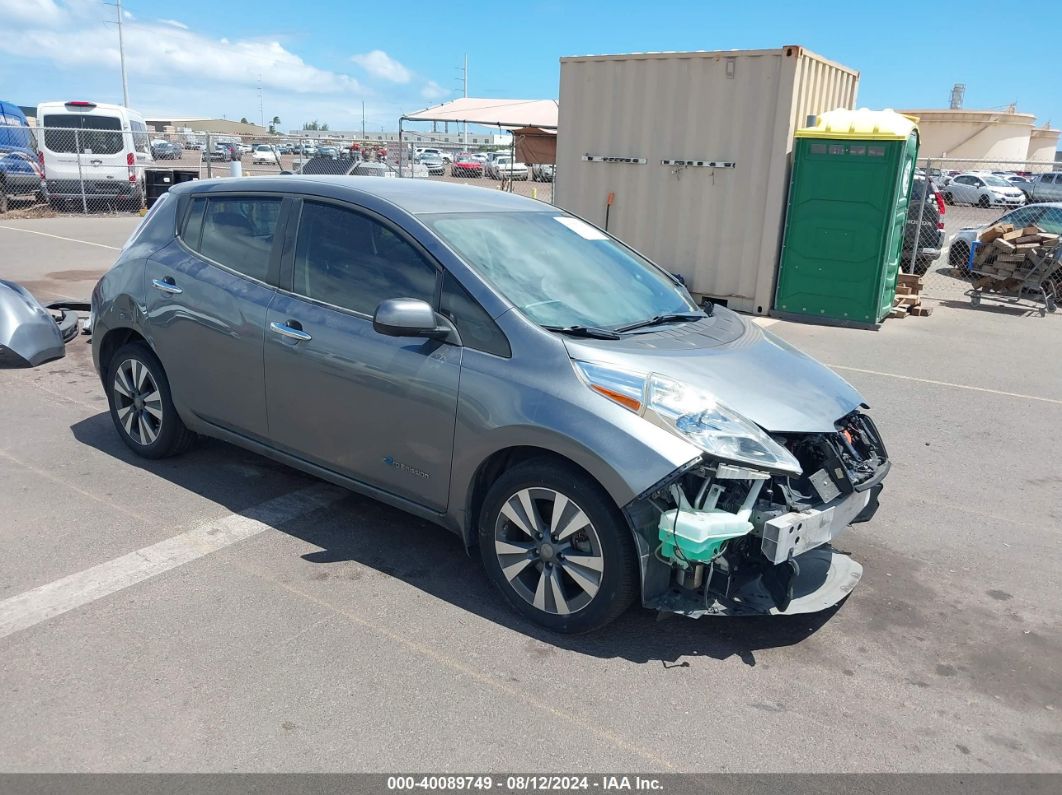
(287, 330)
(166, 285)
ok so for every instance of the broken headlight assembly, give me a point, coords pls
(691, 413)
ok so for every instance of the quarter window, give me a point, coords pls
(348, 260)
(235, 232)
(475, 326)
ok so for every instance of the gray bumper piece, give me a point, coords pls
(29, 335)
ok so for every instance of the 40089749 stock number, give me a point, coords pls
(512, 783)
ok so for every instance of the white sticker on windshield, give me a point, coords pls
(581, 228)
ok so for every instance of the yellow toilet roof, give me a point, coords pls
(863, 124)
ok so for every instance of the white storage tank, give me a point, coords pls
(1043, 141)
(984, 138)
(687, 154)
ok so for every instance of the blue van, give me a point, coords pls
(20, 171)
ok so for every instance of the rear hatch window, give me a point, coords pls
(67, 132)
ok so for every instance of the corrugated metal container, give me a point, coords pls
(719, 227)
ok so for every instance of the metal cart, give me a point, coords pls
(1039, 273)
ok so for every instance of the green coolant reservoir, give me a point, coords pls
(699, 534)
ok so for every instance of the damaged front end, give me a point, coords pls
(732, 538)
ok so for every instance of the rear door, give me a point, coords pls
(378, 409)
(84, 144)
(207, 297)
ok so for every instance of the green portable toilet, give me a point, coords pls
(844, 229)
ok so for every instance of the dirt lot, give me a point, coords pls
(328, 632)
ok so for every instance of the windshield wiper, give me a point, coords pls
(659, 320)
(585, 331)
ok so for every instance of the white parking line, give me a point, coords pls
(60, 237)
(948, 384)
(47, 601)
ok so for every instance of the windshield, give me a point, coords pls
(999, 182)
(560, 271)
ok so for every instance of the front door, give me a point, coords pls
(378, 409)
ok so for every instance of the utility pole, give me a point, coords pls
(121, 55)
(464, 81)
(261, 106)
(363, 120)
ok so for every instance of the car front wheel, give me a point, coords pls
(141, 406)
(557, 547)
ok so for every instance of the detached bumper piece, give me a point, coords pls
(731, 540)
(30, 335)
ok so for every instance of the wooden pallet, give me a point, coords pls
(908, 300)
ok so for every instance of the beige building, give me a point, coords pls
(221, 126)
(987, 136)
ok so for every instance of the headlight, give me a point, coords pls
(691, 413)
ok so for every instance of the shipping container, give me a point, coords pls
(685, 156)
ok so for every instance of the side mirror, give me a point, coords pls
(407, 317)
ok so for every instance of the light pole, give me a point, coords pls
(121, 55)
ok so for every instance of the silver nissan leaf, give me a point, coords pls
(503, 369)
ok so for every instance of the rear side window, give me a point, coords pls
(236, 232)
(141, 139)
(349, 260)
(69, 132)
(475, 326)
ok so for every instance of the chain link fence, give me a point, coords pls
(487, 160)
(93, 171)
(954, 201)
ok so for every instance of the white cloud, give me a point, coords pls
(433, 91)
(380, 64)
(175, 23)
(155, 50)
(41, 12)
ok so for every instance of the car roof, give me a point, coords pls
(415, 196)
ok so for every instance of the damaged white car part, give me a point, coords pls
(748, 529)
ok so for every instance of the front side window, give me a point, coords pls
(92, 135)
(561, 271)
(236, 232)
(351, 261)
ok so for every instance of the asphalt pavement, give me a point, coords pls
(220, 612)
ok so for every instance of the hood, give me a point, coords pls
(748, 369)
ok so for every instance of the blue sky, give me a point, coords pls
(322, 59)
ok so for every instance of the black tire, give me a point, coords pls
(984, 202)
(958, 256)
(948, 200)
(606, 538)
(145, 435)
(4, 202)
(922, 265)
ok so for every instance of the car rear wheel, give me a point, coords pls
(959, 255)
(948, 198)
(141, 407)
(984, 202)
(557, 547)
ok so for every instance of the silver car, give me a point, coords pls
(983, 190)
(501, 368)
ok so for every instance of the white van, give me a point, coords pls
(95, 151)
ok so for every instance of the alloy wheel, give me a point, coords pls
(137, 401)
(549, 551)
